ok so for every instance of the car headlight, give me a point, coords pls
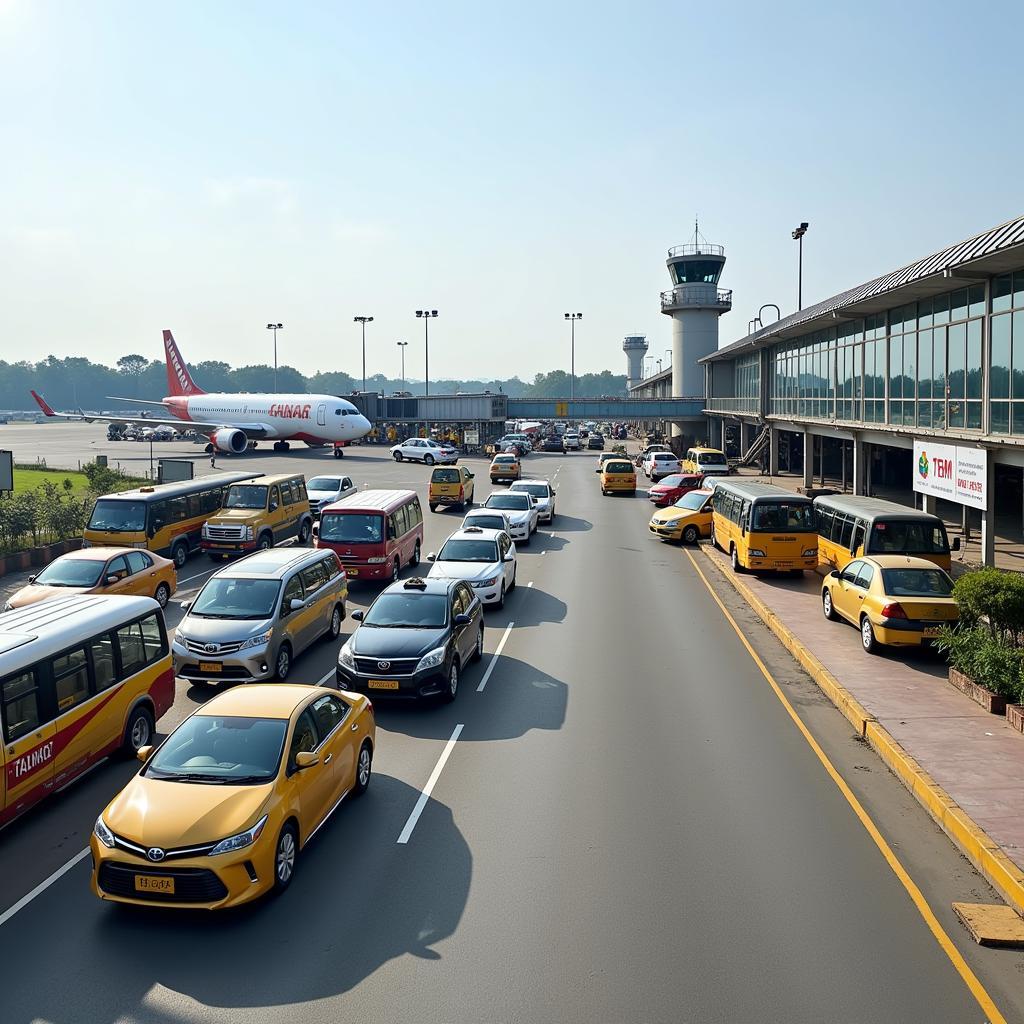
(486, 583)
(241, 841)
(377, 559)
(810, 552)
(757, 552)
(346, 657)
(103, 834)
(247, 533)
(433, 659)
(206, 530)
(258, 641)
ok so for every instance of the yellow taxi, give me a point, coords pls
(219, 812)
(450, 485)
(687, 520)
(618, 476)
(893, 600)
(505, 466)
(101, 571)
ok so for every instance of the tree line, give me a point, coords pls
(78, 383)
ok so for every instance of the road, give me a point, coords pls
(628, 828)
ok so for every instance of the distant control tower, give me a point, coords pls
(695, 302)
(634, 345)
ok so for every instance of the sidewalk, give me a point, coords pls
(949, 751)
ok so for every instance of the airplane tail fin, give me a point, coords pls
(179, 380)
(41, 402)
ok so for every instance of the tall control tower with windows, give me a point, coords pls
(635, 347)
(695, 302)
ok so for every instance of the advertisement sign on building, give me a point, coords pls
(951, 472)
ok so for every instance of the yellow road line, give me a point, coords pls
(970, 979)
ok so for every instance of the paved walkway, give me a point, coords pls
(975, 756)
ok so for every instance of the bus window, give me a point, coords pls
(140, 643)
(842, 534)
(20, 706)
(104, 668)
(909, 538)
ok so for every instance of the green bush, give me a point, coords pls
(995, 597)
(985, 658)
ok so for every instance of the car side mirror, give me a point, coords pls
(295, 605)
(306, 759)
(954, 547)
(462, 620)
(508, 557)
(111, 579)
(32, 578)
(431, 557)
(143, 753)
(834, 572)
(469, 476)
(273, 506)
(185, 605)
(358, 616)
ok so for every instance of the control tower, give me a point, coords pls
(634, 345)
(695, 302)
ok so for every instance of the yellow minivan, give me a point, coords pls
(450, 485)
(258, 514)
(763, 527)
(618, 476)
(707, 461)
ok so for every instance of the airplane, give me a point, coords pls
(234, 423)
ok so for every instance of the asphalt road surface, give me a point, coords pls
(629, 827)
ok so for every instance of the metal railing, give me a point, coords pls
(751, 405)
(696, 295)
(697, 249)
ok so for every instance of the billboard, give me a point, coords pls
(951, 472)
(173, 470)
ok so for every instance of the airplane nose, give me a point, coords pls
(365, 424)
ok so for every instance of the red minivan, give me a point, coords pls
(374, 533)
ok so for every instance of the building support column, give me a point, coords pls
(861, 454)
(808, 459)
(988, 515)
(722, 445)
(928, 503)
(773, 451)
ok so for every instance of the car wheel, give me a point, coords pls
(433, 508)
(415, 560)
(284, 857)
(397, 456)
(179, 554)
(335, 627)
(364, 766)
(451, 691)
(162, 595)
(690, 534)
(735, 559)
(428, 459)
(138, 732)
(512, 585)
(867, 636)
(304, 532)
(501, 597)
(478, 651)
(283, 664)
(826, 605)
(266, 542)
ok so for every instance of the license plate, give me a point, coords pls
(930, 631)
(209, 666)
(154, 883)
(383, 684)
(351, 572)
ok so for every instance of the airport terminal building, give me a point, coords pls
(911, 382)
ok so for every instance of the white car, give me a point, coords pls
(486, 559)
(323, 490)
(521, 509)
(660, 464)
(543, 494)
(487, 519)
(571, 440)
(424, 449)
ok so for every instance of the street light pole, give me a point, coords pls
(402, 345)
(798, 234)
(364, 320)
(275, 328)
(572, 318)
(426, 314)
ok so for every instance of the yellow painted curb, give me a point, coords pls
(972, 840)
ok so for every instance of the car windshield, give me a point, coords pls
(514, 502)
(908, 538)
(781, 515)
(537, 490)
(352, 528)
(228, 597)
(246, 496)
(916, 583)
(445, 476)
(115, 516)
(220, 751)
(711, 459)
(408, 611)
(486, 522)
(71, 572)
(324, 483)
(458, 550)
(693, 500)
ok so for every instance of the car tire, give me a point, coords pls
(691, 534)
(734, 558)
(433, 508)
(827, 607)
(478, 651)
(266, 542)
(162, 595)
(397, 456)
(337, 616)
(515, 572)
(305, 531)
(867, 636)
(451, 691)
(501, 597)
(428, 459)
(179, 554)
(283, 662)
(138, 732)
(285, 855)
(415, 560)
(364, 769)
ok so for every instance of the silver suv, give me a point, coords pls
(252, 618)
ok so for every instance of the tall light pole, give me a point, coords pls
(275, 328)
(426, 314)
(572, 318)
(798, 234)
(364, 320)
(402, 346)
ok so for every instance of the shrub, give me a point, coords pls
(985, 658)
(995, 597)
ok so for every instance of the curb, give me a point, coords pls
(970, 838)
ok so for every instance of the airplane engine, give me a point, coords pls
(230, 440)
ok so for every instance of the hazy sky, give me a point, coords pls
(211, 166)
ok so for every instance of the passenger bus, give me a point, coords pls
(165, 518)
(763, 527)
(851, 526)
(81, 677)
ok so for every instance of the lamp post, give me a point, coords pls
(275, 328)
(363, 320)
(798, 234)
(572, 318)
(426, 314)
(402, 345)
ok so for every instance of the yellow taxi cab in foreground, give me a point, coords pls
(219, 812)
(894, 600)
(618, 475)
(687, 520)
(450, 485)
(505, 467)
(126, 571)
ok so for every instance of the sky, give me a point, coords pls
(209, 167)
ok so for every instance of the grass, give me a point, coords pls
(30, 479)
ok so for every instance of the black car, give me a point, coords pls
(414, 641)
(552, 444)
(595, 442)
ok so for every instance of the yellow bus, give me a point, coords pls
(850, 527)
(165, 518)
(81, 677)
(763, 527)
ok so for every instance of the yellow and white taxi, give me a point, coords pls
(220, 810)
(687, 520)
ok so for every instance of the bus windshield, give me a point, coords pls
(352, 528)
(115, 516)
(246, 496)
(901, 537)
(781, 515)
